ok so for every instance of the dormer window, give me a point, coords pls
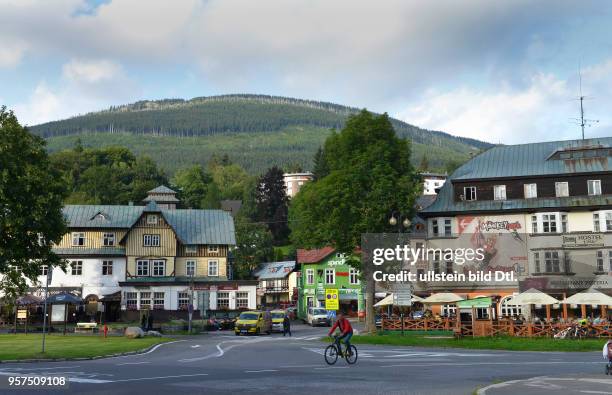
(78, 239)
(594, 187)
(561, 189)
(108, 239)
(469, 193)
(191, 249)
(152, 219)
(499, 192)
(213, 249)
(531, 191)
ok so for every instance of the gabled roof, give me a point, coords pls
(535, 159)
(314, 256)
(190, 226)
(274, 270)
(162, 189)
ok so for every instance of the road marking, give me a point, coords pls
(595, 392)
(55, 367)
(160, 377)
(196, 346)
(260, 371)
(332, 367)
(132, 363)
(88, 381)
(486, 363)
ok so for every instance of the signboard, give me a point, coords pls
(402, 297)
(207, 287)
(332, 299)
(57, 312)
(22, 314)
(583, 240)
(476, 302)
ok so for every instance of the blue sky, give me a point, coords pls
(502, 71)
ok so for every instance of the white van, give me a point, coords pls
(317, 316)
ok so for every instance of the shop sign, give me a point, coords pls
(583, 240)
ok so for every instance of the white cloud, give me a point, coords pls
(41, 106)
(11, 53)
(542, 110)
(79, 70)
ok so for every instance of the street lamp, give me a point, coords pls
(190, 307)
(393, 221)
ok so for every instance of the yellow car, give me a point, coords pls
(253, 322)
(278, 316)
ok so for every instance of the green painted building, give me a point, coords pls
(323, 269)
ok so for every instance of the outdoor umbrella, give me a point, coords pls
(533, 296)
(66, 299)
(442, 298)
(388, 300)
(26, 301)
(590, 296)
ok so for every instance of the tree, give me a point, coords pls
(253, 246)
(31, 219)
(271, 200)
(231, 180)
(320, 168)
(193, 184)
(212, 199)
(370, 177)
(424, 165)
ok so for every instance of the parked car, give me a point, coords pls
(317, 316)
(253, 322)
(278, 316)
(418, 314)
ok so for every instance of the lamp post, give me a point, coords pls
(400, 221)
(190, 308)
(47, 281)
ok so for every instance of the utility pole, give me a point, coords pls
(48, 280)
(190, 309)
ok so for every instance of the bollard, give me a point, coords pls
(105, 330)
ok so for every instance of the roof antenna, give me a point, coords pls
(582, 121)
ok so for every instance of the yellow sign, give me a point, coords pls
(22, 314)
(332, 299)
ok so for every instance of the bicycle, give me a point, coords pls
(335, 349)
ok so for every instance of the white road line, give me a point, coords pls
(160, 377)
(595, 392)
(332, 367)
(55, 367)
(485, 363)
(132, 363)
(87, 381)
(196, 346)
(261, 371)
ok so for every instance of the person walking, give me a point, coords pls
(286, 326)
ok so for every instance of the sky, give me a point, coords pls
(500, 71)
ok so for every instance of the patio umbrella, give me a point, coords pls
(590, 296)
(534, 296)
(442, 298)
(27, 300)
(64, 298)
(387, 300)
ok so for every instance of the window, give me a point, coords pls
(449, 267)
(469, 193)
(145, 300)
(447, 227)
(222, 300)
(191, 249)
(107, 268)
(608, 221)
(183, 300)
(602, 221)
(448, 310)
(596, 227)
(531, 191)
(142, 268)
(213, 249)
(190, 268)
(158, 300)
(76, 268)
(78, 239)
(594, 187)
(152, 219)
(159, 268)
(309, 276)
(353, 276)
(600, 261)
(44, 269)
(610, 260)
(330, 276)
(549, 223)
(508, 309)
(499, 192)
(561, 189)
(108, 239)
(551, 262)
(213, 268)
(131, 300)
(534, 224)
(420, 273)
(151, 240)
(536, 262)
(563, 223)
(434, 227)
(436, 262)
(242, 300)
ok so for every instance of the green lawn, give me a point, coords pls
(490, 343)
(70, 346)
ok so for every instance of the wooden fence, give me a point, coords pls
(491, 327)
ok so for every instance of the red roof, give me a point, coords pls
(313, 256)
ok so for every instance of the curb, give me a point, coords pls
(137, 352)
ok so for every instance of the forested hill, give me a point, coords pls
(203, 116)
(297, 127)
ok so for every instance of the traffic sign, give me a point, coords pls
(402, 297)
(332, 299)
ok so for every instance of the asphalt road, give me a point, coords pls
(220, 363)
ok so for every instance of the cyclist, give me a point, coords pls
(346, 331)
